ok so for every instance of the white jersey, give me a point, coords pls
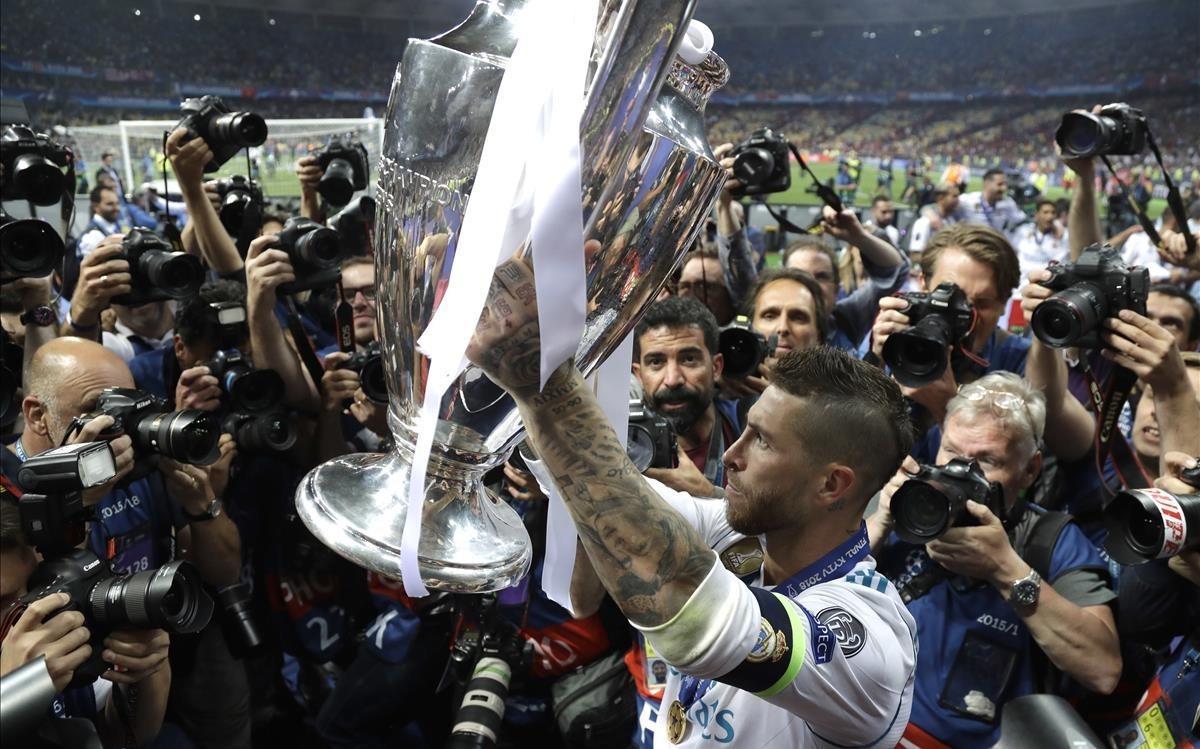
(826, 659)
(1036, 250)
(1005, 216)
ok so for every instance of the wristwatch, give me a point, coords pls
(40, 316)
(210, 512)
(1026, 590)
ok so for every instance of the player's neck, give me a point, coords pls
(790, 550)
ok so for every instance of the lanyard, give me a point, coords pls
(19, 449)
(714, 466)
(834, 565)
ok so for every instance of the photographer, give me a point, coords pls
(980, 262)
(188, 156)
(104, 273)
(799, 481)
(310, 172)
(107, 219)
(886, 271)
(986, 578)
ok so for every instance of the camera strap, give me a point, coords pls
(828, 196)
(1107, 403)
(308, 357)
(251, 216)
(1174, 200)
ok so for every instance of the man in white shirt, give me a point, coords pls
(992, 205)
(105, 221)
(816, 649)
(1041, 241)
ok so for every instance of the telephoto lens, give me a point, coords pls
(1070, 315)
(175, 273)
(238, 622)
(249, 389)
(1116, 130)
(171, 597)
(1146, 524)
(239, 128)
(29, 248)
(941, 320)
(187, 436)
(337, 184)
(477, 723)
(743, 349)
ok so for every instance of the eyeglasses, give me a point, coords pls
(368, 292)
(1000, 400)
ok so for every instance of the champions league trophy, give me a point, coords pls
(649, 180)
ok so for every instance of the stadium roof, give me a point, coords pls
(730, 13)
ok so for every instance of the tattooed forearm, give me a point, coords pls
(647, 556)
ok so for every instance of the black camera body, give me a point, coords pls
(171, 597)
(263, 433)
(1096, 286)
(237, 193)
(29, 247)
(743, 348)
(368, 363)
(942, 320)
(934, 500)
(316, 254)
(226, 132)
(33, 165)
(248, 389)
(354, 224)
(158, 271)
(652, 442)
(762, 164)
(1116, 130)
(346, 170)
(186, 436)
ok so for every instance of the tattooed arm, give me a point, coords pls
(647, 556)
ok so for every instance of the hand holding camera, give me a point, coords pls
(266, 269)
(61, 637)
(103, 275)
(190, 486)
(188, 157)
(732, 183)
(198, 389)
(122, 452)
(843, 225)
(339, 383)
(1147, 349)
(980, 552)
(134, 655)
(309, 171)
(225, 132)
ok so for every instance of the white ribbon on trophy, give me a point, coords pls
(528, 185)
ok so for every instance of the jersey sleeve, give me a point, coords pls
(829, 658)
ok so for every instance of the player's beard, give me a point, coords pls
(684, 419)
(752, 511)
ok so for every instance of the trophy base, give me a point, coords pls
(471, 542)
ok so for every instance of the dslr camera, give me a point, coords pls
(247, 389)
(942, 320)
(33, 167)
(368, 363)
(935, 499)
(29, 247)
(315, 251)
(761, 163)
(1096, 286)
(1147, 524)
(353, 223)
(260, 433)
(346, 170)
(226, 132)
(652, 442)
(187, 436)
(158, 271)
(743, 348)
(1116, 130)
(237, 193)
(171, 597)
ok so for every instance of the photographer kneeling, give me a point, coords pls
(976, 592)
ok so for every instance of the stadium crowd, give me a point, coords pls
(1029, 585)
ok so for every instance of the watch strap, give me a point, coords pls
(41, 315)
(211, 511)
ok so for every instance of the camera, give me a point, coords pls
(941, 319)
(158, 272)
(12, 365)
(260, 433)
(743, 348)
(225, 132)
(33, 167)
(249, 389)
(346, 170)
(371, 376)
(187, 436)
(1146, 524)
(171, 597)
(53, 518)
(237, 194)
(487, 652)
(29, 247)
(353, 223)
(315, 252)
(1116, 130)
(761, 163)
(935, 499)
(1022, 190)
(1096, 286)
(652, 442)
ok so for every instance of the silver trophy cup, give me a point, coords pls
(649, 180)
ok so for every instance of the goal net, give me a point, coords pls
(137, 146)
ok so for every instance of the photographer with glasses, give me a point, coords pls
(1007, 585)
